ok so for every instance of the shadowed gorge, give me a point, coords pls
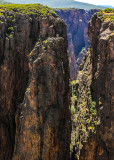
(78, 41)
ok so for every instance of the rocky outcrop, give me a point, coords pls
(77, 25)
(34, 84)
(93, 93)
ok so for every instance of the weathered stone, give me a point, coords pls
(92, 95)
(34, 88)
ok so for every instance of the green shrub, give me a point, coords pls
(109, 10)
(72, 109)
(9, 32)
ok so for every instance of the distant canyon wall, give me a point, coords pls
(78, 41)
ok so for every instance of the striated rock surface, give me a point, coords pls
(93, 94)
(34, 84)
(77, 25)
(72, 58)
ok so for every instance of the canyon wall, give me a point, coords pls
(34, 87)
(34, 84)
(78, 41)
(93, 94)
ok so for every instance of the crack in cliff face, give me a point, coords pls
(34, 85)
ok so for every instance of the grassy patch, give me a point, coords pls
(28, 9)
(107, 14)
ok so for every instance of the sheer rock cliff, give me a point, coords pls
(93, 94)
(34, 84)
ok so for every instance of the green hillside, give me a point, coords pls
(61, 4)
(3, 2)
(27, 9)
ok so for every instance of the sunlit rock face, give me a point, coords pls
(101, 34)
(93, 94)
(77, 26)
(34, 86)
